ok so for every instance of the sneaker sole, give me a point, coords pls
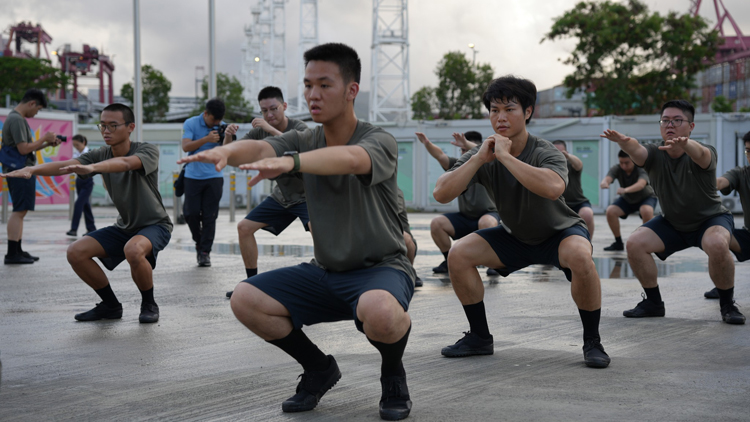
(395, 415)
(596, 363)
(734, 321)
(460, 354)
(147, 320)
(291, 408)
(97, 319)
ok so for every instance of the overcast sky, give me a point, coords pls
(174, 33)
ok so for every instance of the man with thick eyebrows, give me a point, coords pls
(360, 271)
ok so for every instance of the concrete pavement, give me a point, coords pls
(198, 363)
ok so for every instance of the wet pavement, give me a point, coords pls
(199, 363)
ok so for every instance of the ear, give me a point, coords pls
(131, 128)
(351, 91)
(284, 105)
(527, 113)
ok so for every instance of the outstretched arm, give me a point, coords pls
(113, 165)
(459, 140)
(697, 152)
(47, 169)
(575, 162)
(234, 154)
(722, 183)
(635, 150)
(434, 150)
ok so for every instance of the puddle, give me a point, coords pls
(299, 251)
(619, 267)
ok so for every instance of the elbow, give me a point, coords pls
(555, 191)
(441, 195)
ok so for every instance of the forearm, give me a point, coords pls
(347, 159)
(453, 183)
(635, 187)
(29, 147)
(698, 153)
(722, 183)
(189, 145)
(635, 150)
(540, 181)
(53, 168)
(246, 151)
(575, 162)
(117, 165)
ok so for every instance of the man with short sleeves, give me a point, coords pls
(476, 210)
(18, 151)
(737, 179)
(203, 183)
(131, 175)
(636, 195)
(526, 176)
(683, 174)
(287, 200)
(360, 271)
(573, 195)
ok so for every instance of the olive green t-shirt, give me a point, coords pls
(135, 193)
(739, 180)
(687, 193)
(475, 201)
(16, 131)
(531, 218)
(625, 180)
(288, 189)
(573, 194)
(354, 217)
(402, 215)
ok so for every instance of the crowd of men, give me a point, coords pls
(520, 203)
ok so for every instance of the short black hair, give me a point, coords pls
(36, 95)
(344, 56)
(270, 92)
(215, 107)
(560, 142)
(127, 112)
(511, 88)
(623, 154)
(81, 138)
(473, 136)
(746, 138)
(683, 105)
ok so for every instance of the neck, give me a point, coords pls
(519, 143)
(21, 110)
(121, 149)
(340, 130)
(282, 126)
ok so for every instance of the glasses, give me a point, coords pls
(270, 110)
(747, 151)
(675, 122)
(111, 127)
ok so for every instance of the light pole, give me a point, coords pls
(474, 53)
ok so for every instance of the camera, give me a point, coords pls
(62, 138)
(220, 130)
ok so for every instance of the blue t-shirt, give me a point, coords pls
(195, 128)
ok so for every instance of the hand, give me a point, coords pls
(231, 130)
(269, 168)
(621, 191)
(212, 136)
(614, 136)
(50, 138)
(261, 123)
(674, 143)
(24, 173)
(502, 146)
(486, 152)
(216, 156)
(77, 169)
(565, 153)
(422, 138)
(604, 184)
(460, 141)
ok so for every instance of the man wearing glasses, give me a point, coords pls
(683, 174)
(131, 175)
(287, 201)
(737, 179)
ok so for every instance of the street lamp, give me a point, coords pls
(474, 53)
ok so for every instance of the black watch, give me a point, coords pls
(295, 157)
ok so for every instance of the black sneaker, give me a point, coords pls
(731, 315)
(442, 268)
(594, 355)
(28, 255)
(312, 387)
(395, 403)
(149, 313)
(712, 294)
(229, 293)
(492, 272)
(101, 311)
(615, 246)
(645, 308)
(17, 259)
(72, 233)
(204, 259)
(418, 282)
(471, 344)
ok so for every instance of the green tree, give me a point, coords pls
(459, 92)
(722, 105)
(156, 89)
(630, 60)
(17, 75)
(229, 89)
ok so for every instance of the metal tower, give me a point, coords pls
(265, 49)
(389, 96)
(308, 38)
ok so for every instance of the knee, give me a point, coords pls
(715, 245)
(435, 225)
(76, 254)
(134, 252)
(637, 245)
(245, 228)
(459, 258)
(610, 212)
(578, 259)
(244, 302)
(378, 316)
(486, 222)
(586, 213)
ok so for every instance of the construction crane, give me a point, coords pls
(25, 31)
(734, 47)
(75, 64)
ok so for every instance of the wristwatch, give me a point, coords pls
(295, 157)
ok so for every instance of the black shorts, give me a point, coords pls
(517, 255)
(743, 238)
(22, 193)
(313, 295)
(675, 240)
(113, 241)
(463, 225)
(277, 217)
(577, 207)
(629, 208)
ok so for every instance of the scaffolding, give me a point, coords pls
(389, 96)
(308, 38)
(264, 52)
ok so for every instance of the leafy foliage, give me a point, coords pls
(630, 60)
(18, 75)
(229, 89)
(722, 105)
(156, 89)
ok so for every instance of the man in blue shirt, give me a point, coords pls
(203, 183)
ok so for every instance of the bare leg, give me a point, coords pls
(383, 318)
(647, 213)
(613, 219)
(15, 225)
(248, 246)
(588, 216)
(442, 230)
(260, 313)
(641, 244)
(81, 256)
(136, 251)
(463, 259)
(575, 253)
(715, 243)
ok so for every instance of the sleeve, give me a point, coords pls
(613, 172)
(383, 151)
(19, 132)
(733, 176)
(714, 159)
(149, 156)
(92, 157)
(642, 174)
(187, 130)
(289, 141)
(652, 150)
(452, 162)
(300, 125)
(551, 158)
(253, 133)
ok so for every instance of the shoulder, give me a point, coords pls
(145, 147)
(369, 132)
(295, 124)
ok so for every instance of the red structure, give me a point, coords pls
(25, 31)
(76, 64)
(734, 48)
